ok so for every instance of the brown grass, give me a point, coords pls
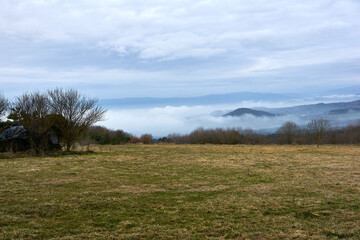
(183, 192)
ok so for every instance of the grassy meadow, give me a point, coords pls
(183, 192)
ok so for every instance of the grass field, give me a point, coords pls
(184, 192)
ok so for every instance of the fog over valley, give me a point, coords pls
(161, 119)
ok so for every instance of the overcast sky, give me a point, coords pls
(123, 48)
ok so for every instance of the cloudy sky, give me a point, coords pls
(161, 48)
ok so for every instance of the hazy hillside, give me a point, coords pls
(312, 109)
(339, 114)
(242, 111)
(349, 110)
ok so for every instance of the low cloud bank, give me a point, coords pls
(163, 121)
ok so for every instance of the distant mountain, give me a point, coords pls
(213, 99)
(313, 109)
(342, 111)
(242, 111)
(346, 90)
(339, 114)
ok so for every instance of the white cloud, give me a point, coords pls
(179, 47)
(161, 121)
(178, 29)
(85, 75)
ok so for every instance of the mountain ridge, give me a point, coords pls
(339, 113)
(243, 111)
(312, 109)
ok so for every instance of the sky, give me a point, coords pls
(161, 48)
(180, 48)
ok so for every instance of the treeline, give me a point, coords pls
(216, 136)
(47, 121)
(104, 136)
(318, 131)
(54, 120)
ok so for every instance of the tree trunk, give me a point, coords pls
(68, 147)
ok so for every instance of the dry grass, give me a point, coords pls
(184, 192)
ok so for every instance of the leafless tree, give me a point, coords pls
(32, 111)
(4, 104)
(146, 138)
(77, 113)
(352, 133)
(318, 129)
(289, 131)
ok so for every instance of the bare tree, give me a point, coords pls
(289, 131)
(32, 111)
(4, 104)
(146, 138)
(318, 129)
(77, 113)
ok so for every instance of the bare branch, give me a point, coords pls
(4, 105)
(78, 113)
(32, 111)
(318, 129)
(289, 131)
